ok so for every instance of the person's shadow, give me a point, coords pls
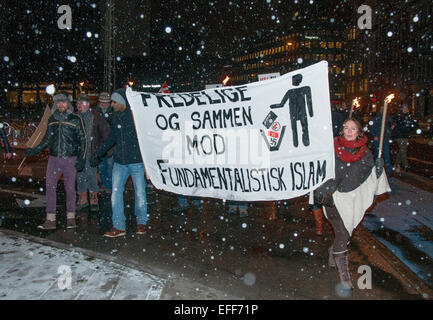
(297, 110)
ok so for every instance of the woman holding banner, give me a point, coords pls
(346, 198)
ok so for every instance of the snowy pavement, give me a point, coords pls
(33, 271)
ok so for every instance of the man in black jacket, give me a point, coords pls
(66, 140)
(127, 162)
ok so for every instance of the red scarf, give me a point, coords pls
(340, 142)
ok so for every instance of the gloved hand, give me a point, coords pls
(79, 164)
(379, 166)
(94, 160)
(31, 152)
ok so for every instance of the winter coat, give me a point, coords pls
(5, 140)
(348, 177)
(337, 122)
(65, 136)
(123, 136)
(97, 131)
(375, 126)
(404, 124)
(107, 115)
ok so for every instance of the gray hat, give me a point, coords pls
(118, 98)
(59, 98)
(83, 97)
(104, 97)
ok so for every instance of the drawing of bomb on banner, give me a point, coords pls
(275, 132)
(299, 101)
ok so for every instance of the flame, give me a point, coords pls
(389, 98)
(355, 103)
(227, 78)
(81, 83)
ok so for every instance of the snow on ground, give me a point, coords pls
(32, 271)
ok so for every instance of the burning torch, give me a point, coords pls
(382, 130)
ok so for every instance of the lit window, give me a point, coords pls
(323, 44)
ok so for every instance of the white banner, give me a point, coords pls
(268, 140)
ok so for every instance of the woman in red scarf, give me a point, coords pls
(353, 166)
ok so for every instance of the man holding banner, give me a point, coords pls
(127, 162)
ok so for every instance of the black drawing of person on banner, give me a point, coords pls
(297, 109)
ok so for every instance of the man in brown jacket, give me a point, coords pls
(97, 130)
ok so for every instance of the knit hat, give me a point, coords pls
(117, 97)
(104, 97)
(83, 97)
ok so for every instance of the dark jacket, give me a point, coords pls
(104, 130)
(65, 136)
(348, 176)
(375, 126)
(107, 115)
(337, 122)
(404, 124)
(98, 131)
(5, 141)
(123, 136)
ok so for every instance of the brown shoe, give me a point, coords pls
(114, 233)
(47, 225)
(141, 229)
(70, 224)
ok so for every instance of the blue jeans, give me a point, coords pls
(182, 202)
(385, 154)
(106, 172)
(121, 172)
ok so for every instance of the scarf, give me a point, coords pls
(340, 143)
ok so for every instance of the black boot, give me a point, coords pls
(105, 213)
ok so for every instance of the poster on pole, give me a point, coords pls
(267, 76)
(262, 141)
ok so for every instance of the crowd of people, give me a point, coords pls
(104, 140)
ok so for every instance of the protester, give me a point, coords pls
(106, 165)
(66, 141)
(97, 130)
(5, 141)
(127, 162)
(404, 125)
(347, 197)
(374, 127)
